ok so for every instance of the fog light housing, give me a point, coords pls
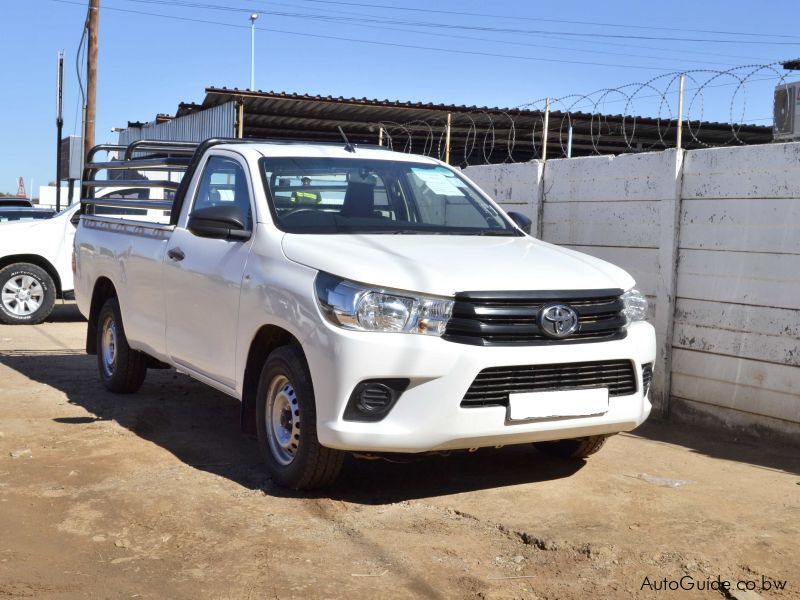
(372, 399)
(647, 378)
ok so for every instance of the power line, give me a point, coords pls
(377, 19)
(451, 35)
(673, 50)
(378, 43)
(544, 20)
(572, 34)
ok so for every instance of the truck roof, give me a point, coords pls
(322, 150)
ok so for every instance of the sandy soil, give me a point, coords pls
(158, 495)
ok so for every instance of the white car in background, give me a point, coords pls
(35, 266)
(36, 257)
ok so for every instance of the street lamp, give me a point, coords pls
(253, 18)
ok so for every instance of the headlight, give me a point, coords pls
(363, 308)
(635, 305)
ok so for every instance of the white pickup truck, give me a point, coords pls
(357, 299)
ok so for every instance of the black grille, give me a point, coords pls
(511, 318)
(492, 386)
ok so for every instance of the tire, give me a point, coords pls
(27, 294)
(293, 455)
(122, 369)
(575, 448)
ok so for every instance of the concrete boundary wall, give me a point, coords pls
(516, 187)
(712, 237)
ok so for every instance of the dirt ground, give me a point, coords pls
(158, 495)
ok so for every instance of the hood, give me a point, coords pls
(11, 232)
(443, 265)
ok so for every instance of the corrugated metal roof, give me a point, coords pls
(478, 134)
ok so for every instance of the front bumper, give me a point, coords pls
(428, 416)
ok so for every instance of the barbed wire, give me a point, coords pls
(583, 124)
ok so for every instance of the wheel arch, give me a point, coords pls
(266, 339)
(39, 261)
(103, 290)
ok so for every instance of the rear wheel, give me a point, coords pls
(286, 422)
(27, 294)
(574, 448)
(122, 369)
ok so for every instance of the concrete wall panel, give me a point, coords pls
(737, 383)
(637, 177)
(765, 171)
(628, 224)
(745, 225)
(513, 186)
(755, 332)
(740, 277)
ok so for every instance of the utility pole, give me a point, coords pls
(93, 24)
(59, 125)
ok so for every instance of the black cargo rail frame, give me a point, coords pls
(160, 156)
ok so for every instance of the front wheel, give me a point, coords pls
(574, 448)
(286, 422)
(122, 369)
(27, 294)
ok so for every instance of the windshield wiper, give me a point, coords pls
(488, 232)
(497, 232)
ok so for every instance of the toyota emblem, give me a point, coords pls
(558, 320)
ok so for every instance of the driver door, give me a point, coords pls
(203, 276)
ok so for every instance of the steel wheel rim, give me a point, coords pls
(282, 420)
(22, 295)
(108, 346)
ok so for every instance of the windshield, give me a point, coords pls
(352, 195)
(7, 214)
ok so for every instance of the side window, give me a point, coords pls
(224, 183)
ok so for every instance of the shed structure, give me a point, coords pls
(477, 135)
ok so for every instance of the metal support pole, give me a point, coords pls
(678, 143)
(240, 120)
(380, 136)
(546, 127)
(71, 191)
(253, 18)
(447, 139)
(59, 125)
(569, 141)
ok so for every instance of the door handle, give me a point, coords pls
(176, 254)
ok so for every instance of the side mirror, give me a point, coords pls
(522, 221)
(222, 222)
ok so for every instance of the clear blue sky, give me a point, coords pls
(149, 64)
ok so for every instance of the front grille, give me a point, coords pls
(511, 318)
(493, 385)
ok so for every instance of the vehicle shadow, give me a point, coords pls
(200, 427)
(723, 444)
(65, 312)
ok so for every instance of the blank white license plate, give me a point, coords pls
(568, 403)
